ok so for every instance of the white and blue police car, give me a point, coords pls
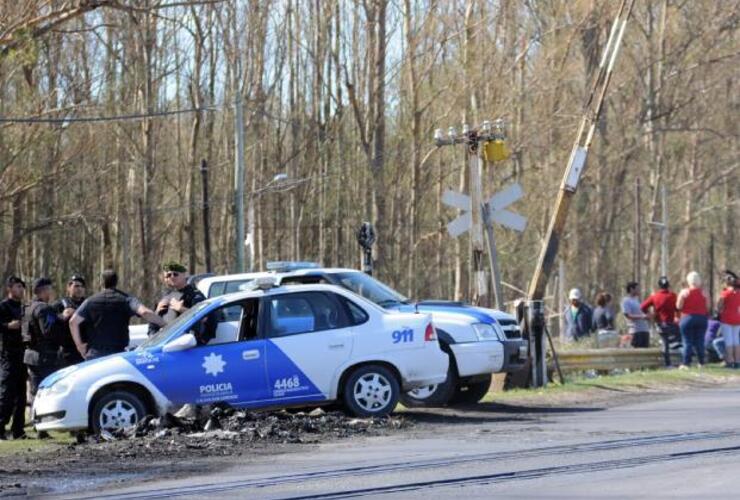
(478, 341)
(271, 346)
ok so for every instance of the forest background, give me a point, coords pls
(344, 96)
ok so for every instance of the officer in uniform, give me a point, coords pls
(65, 308)
(107, 315)
(41, 335)
(180, 295)
(12, 369)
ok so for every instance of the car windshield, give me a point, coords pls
(370, 288)
(165, 332)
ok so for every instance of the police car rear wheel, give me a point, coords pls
(117, 410)
(432, 395)
(370, 391)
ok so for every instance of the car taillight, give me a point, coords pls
(429, 333)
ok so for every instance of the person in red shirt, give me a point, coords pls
(728, 307)
(661, 306)
(694, 306)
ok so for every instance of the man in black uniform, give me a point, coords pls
(107, 314)
(41, 335)
(180, 296)
(12, 369)
(65, 308)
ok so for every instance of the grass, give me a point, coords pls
(631, 382)
(11, 447)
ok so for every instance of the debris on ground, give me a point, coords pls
(224, 422)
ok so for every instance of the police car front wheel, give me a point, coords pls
(371, 390)
(117, 410)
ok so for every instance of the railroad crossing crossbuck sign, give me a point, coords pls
(497, 210)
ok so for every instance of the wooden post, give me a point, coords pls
(573, 172)
(206, 214)
(480, 288)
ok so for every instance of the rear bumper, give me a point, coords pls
(429, 369)
(515, 354)
(478, 358)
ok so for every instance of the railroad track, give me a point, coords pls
(478, 458)
(486, 479)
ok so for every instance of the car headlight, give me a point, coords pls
(485, 332)
(59, 388)
(51, 382)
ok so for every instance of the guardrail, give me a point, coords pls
(609, 359)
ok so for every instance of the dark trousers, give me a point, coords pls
(693, 327)
(668, 332)
(641, 339)
(12, 393)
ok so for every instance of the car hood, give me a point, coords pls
(471, 313)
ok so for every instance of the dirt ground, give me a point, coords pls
(171, 447)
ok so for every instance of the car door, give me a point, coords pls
(230, 368)
(309, 337)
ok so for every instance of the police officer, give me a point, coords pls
(180, 296)
(12, 369)
(65, 308)
(41, 335)
(107, 314)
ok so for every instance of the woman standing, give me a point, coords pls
(729, 319)
(603, 317)
(694, 306)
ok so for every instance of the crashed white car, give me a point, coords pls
(267, 347)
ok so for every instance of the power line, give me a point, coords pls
(36, 119)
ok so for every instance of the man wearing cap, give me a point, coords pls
(180, 295)
(12, 369)
(578, 316)
(65, 308)
(637, 321)
(661, 305)
(107, 315)
(41, 335)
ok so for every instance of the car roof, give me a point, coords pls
(319, 270)
(281, 289)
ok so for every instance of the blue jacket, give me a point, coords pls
(581, 325)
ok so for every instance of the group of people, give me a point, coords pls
(685, 316)
(45, 335)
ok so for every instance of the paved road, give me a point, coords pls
(687, 446)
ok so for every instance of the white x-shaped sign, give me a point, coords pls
(496, 207)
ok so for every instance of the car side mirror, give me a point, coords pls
(181, 343)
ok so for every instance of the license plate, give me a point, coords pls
(523, 350)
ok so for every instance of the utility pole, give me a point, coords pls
(561, 299)
(576, 165)
(206, 214)
(480, 288)
(711, 269)
(663, 227)
(664, 233)
(637, 239)
(239, 182)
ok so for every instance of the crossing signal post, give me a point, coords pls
(478, 214)
(366, 239)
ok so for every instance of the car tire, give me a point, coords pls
(115, 411)
(471, 393)
(371, 391)
(432, 395)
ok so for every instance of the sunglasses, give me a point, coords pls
(171, 274)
